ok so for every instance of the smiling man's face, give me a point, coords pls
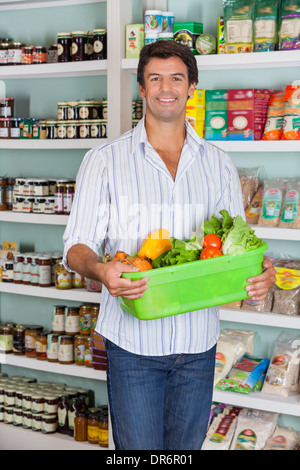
(166, 88)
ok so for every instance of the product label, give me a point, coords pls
(271, 203)
(80, 353)
(62, 416)
(45, 275)
(239, 31)
(287, 278)
(98, 46)
(246, 440)
(48, 427)
(65, 352)
(72, 324)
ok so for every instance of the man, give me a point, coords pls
(159, 175)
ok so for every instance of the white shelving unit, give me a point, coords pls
(119, 73)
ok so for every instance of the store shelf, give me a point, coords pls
(258, 146)
(59, 70)
(252, 60)
(55, 368)
(276, 233)
(260, 401)
(18, 438)
(75, 295)
(264, 319)
(44, 219)
(28, 4)
(50, 144)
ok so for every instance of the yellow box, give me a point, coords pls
(195, 112)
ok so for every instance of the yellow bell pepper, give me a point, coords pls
(155, 244)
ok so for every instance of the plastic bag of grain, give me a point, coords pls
(282, 439)
(260, 306)
(287, 288)
(290, 214)
(250, 182)
(254, 209)
(274, 192)
(283, 366)
(254, 428)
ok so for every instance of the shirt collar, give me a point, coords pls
(193, 140)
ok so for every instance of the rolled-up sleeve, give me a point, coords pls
(87, 223)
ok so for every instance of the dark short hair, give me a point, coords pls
(165, 49)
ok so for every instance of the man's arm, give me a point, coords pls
(86, 262)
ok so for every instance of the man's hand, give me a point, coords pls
(262, 283)
(111, 277)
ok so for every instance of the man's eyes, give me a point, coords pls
(156, 79)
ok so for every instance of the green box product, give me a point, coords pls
(187, 33)
(194, 285)
(216, 121)
(135, 40)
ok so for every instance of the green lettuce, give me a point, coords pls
(239, 238)
(182, 251)
(218, 225)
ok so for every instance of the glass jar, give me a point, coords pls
(4, 128)
(103, 430)
(51, 129)
(58, 319)
(26, 400)
(73, 129)
(9, 396)
(100, 44)
(49, 424)
(44, 271)
(34, 271)
(49, 205)
(85, 320)
(80, 426)
(59, 198)
(36, 422)
(63, 278)
(62, 111)
(57, 257)
(18, 268)
(62, 414)
(73, 111)
(39, 55)
(18, 417)
(4, 53)
(93, 428)
(79, 43)
(37, 405)
(64, 47)
(85, 109)
(40, 187)
(7, 107)
(6, 340)
(80, 342)
(8, 271)
(19, 340)
(27, 55)
(52, 348)
(52, 54)
(30, 339)
(77, 280)
(94, 317)
(3, 187)
(50, 404)
(15, 53)
(89, 46)
(15, 128)
(41, 346)
(9, 192)
(27, 419)
(27, 269)
(66, 349)
(88, 354)
(62, 127)
(8, 415)
(72, 321)
(68, 197)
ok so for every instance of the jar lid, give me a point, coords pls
(45, 257)
(79, 33)
(34, 328)
(63, 103)
(64, 35)
(37, 395)
(51, 396)
(101, 31)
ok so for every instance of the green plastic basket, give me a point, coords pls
(195, 285)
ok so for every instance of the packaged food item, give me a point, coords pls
(206, 44)
(250, 182)
(290, 215)
(220, 433)
(282, 439)
(274, 123)
(244, 375)
(265, 25)
(254, 428)
(253, 210)
(195, 112)
(216, 121)
(291, 122)
(168, 18)
(284, 363)
(135, 38)
(232, 344)
(273, 197)
(187, 33)
(153, 21)
(289, 33)
(221, 36)
(240, 110)
(261, 103)
(287, 289)
(238, 16)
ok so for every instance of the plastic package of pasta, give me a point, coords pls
(291, 122)
(274, 123)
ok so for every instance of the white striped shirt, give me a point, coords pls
(124, 192)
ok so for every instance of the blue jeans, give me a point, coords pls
(159, 402)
